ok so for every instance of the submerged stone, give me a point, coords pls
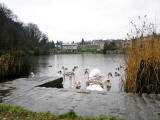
(57, 83)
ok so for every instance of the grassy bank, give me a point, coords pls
(143, 65)
(8, 112)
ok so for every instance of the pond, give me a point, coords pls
(50, 65)
(32, 94)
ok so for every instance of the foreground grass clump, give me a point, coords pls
(8, 112)
(143, 65)
(13, 65)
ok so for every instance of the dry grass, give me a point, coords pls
(12, 65)
(143, 65)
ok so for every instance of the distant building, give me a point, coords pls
(58, 46)
(99, 43)
(69, 47)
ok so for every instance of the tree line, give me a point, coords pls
(17, 36)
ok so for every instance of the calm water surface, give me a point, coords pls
(85, 103)
(105, 63)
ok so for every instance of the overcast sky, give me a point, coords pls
(72, 20)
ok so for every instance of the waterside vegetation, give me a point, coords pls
(143, 61)
(17, 41)
(8, 112)
(13, 65)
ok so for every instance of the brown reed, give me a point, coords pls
(13, 65)
(143, 65)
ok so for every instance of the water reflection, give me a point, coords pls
(105, 63)
(5, 91)
(108, 88)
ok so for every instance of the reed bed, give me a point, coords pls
(13, 65)
(143, 65)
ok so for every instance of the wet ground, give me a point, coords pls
(24, 92)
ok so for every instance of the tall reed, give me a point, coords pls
(143, 65)
(13, 65)
(142, 60)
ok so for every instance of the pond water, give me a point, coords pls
(50, 65)
(25, 92)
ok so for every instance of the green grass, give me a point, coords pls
(92, 48)
(8, 112)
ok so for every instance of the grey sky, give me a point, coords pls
(72, 20)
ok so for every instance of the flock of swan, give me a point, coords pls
(94, 79)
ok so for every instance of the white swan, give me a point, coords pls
(71, 75)
(32, 74)
(94, 81)
(109, 75)
(76, 84)
(95, 87)
(95, 72)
